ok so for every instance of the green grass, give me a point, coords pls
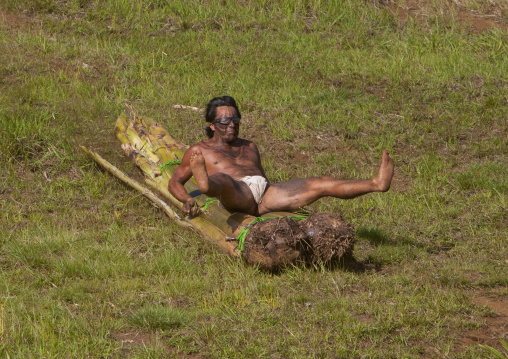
(90, 269)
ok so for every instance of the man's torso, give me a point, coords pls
(238, 160)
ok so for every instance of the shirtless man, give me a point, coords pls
(229, 168)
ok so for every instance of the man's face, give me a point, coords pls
(229, 133)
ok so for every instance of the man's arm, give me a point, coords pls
(176, 185)
(259, 165)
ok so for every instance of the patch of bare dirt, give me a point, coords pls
(131, 340)
(420, 10)
(495, 327)
(13, 21)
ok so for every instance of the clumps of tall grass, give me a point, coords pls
(490, 176)
(160, 318)
(25, 135)
(491, 352)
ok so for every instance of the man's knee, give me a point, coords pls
(325, 179)
(318, 186)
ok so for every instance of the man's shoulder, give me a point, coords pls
(207, 143)
(201, 144)
(244, 142)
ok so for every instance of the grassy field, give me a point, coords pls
(91, 269)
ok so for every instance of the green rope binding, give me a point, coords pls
(245, 230)
(208, 202)
(170, 163)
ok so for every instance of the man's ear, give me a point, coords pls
(212, 127)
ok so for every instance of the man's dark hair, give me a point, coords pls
(211, 110)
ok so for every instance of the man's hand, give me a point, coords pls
(191, 208)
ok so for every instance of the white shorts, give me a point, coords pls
(257, 185)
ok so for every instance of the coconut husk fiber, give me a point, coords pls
(321, 237)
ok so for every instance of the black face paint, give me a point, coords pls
(221, 129)
(224, 132)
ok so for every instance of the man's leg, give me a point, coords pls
(294, 194)
(233, 194)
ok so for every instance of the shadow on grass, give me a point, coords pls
(347, 264)
(374, 235)
(377, 237)
(351, 264)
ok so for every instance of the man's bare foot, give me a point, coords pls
(384, 176)
(197, 165)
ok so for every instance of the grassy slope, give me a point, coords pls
(89, 268)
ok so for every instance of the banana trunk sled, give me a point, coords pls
(270, 241)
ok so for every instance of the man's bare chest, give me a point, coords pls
(218, 159)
